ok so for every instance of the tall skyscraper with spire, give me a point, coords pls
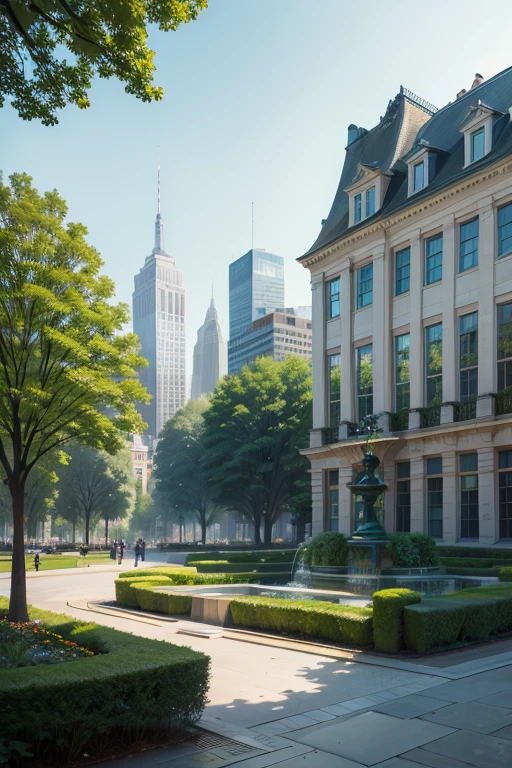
(159, 322)
(210, 355)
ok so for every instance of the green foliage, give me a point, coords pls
(309, 618)
(493, 553)
(368, 428)
(260, 556)
(388, 618)
(160, 602)
(51, 52)
(167, 571)
(139, 687)
(505, 574)
(412, 550)
(482, 572)
(217, 566)
(66, 373)
(257, 422)
(329, 548)
(432, 624)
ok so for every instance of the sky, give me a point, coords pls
(258, 98)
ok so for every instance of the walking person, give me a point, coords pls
(136, 550)
(120, 551)
(37, 561)
(143, 550)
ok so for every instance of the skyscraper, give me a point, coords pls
(255, 280)
(210, 355)
(159, 322)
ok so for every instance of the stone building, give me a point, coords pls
(412, 318)
(210, 355)
(140, 461)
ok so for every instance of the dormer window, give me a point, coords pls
(366, 193)
(477, 130)
(370, 201)
(419, 176)
(421, 163)
(358, 209)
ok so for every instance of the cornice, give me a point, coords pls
(408, 213)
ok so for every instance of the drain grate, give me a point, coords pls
(207, 740)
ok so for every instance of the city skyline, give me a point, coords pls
(210, 362)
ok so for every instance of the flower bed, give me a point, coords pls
(28, 644)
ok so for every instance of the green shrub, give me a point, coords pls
(167, 570)
(484, 552)
(139, 688)
(258, 568)
(501, 595)
(432, 624)
(388, 622)
(505, 574)
(125, 592)
(89, 636)
(412, 550)
(466, 562)
(329, 548)
(482, 572)
(309, 618)
(260, 556)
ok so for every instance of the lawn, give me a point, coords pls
(56, 562)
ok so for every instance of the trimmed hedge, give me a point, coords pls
(308, 618)
(139, 687)
(242, 557)
(220, 566)
(167, 570)
(388, 610)
(475, 552)
(329, 548)
(484, 573)
(505, 574)
(412, 550)
(430, 624)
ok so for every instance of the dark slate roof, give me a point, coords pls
(441, 132)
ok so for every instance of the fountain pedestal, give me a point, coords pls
(369, 487)
(374, 547)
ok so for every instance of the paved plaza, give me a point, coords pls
(271, 705)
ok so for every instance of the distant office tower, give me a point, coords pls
(255, 280)
(276, 335)
(210, 355)
(159, 322)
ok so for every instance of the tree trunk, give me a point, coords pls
(74, 531)
(257, 530)
(18, 602)
(203, 530)
(268, 523)
(106, 532)
(87, 524)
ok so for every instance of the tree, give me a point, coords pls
(144, 513)
(103, 37)
(41, 491)
(179, 465)
(256, 424)
(66, 373)
(95, 486)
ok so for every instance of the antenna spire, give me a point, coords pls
(159, 181)
(159, 225)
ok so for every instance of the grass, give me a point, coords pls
(57, 562)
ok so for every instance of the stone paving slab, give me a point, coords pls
(472, 716)
(372, 738)
(398, 762)
(411, 706)
(503, 699)
(476, 749)
(312, 759)
(431, 760)
(469, 689)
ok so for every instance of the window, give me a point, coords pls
(504, 351)
(468, 356)
(418, 176)
(403, 497)
(477, 144)
(435, 497)
(505, 493)
(434, 364)
(333, 298)
(402, 373)
(505, 230)
(402, 271)
(333, 381)
(468, 245)
(364, 381)
(468, 464)
(357, 209)
(370, 201)
(333, 491)
(433, 259)
(290, 321)
(364, 286)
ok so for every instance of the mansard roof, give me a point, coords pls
(409, 125)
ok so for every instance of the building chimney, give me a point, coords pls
(461, 93)
(353, 132)
(477, 81)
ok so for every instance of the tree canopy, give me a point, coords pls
(66, 371)
(180, 469)
(50, 50)
(256, 424)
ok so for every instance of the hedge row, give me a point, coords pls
(243, 557)
(475, 552)
(136, 687)
(472, 614)
(388, 611)
(307, 618)
(477, 572)
(475, 562)
(220, 566)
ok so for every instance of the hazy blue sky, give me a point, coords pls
(258, 97)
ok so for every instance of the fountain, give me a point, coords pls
(370, 534)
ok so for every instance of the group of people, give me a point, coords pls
(118, 547)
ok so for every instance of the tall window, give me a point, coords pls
(357, 209)
(402, 371)
(505, 491)
(402, 271)
(364, 286)
(434, 364)
(333, 298)
(333, 491)
(435, 497)
(505, 230)
(333, 379)
(419, 176)
(370, 201)
(477, 144)
(468, 245)
(403, 497)
(433, 259)
(468, 356)
(364, 381)
(504, 351)
(469, 528)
